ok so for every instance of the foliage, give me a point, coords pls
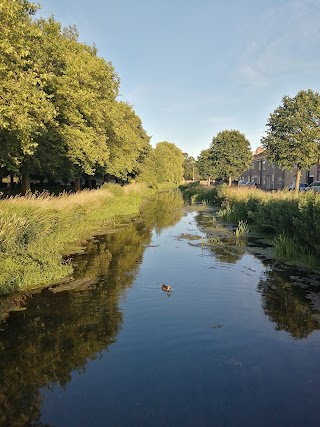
(169, 162)
(293, 133)
(205, 165)
(59, 116)
(190, 171)
(25, 107)
(230, 153)
(128, 142)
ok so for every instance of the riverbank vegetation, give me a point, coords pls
(292, 220)
(36, 230)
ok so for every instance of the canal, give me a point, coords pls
(234, 343)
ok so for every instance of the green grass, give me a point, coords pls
(36, 230)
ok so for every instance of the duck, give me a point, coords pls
(166, 288)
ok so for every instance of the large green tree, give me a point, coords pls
(83, 88)
(293, 135)
(25, 107)
(230, 153)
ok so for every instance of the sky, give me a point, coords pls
(192, 68)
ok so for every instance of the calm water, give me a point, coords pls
(236, 342)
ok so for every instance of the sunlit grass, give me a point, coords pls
(35, 230)
(242, 230)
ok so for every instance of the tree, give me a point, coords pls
(205, 165)
(168, 162)
(293, 137)
(189, 167)
(25, 107)
(230, 153)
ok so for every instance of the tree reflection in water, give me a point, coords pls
(286, 304)
(284, 295)
(60, 331)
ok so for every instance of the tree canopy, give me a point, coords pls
(169, 162)
(59, 112)
(293, 135)
(230, 153)
(205, 165)
(189, 167)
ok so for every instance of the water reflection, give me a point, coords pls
(285, 300)
(210, 316)
(289, 297)
(61, 330)
(220, 240)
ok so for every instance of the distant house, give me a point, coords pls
(269, 176)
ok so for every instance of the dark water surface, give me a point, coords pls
(235, 343)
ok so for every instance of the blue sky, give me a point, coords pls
(193, 68)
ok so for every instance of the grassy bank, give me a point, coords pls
(293, 220)
(36, 230)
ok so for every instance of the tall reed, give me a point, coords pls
(36, 230)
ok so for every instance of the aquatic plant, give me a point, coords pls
(284, 247)
(242, 229)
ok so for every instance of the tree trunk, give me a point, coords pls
(25, 183)
(230, 181)
(298, 177)
(89, 182)
(11, 180)
(77, 184)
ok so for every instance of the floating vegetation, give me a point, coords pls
(217, 326)
(189, 236)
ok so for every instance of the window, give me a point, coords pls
(264, 165)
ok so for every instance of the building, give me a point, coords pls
(269, 176)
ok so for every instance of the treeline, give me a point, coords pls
(59, 112)
(227, 157)
(291, 141)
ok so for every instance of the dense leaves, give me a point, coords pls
(205, 165)
(230, 153)
(189, 167)
(293, 135)
(59, 113)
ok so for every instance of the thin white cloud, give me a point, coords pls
(252, 76)
(278, 49)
